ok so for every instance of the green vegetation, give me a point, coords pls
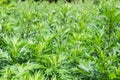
(60, 41)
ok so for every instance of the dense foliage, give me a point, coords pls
(62, 41)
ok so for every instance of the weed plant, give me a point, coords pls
(60, 41)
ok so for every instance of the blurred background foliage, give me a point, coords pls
(8, 1)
